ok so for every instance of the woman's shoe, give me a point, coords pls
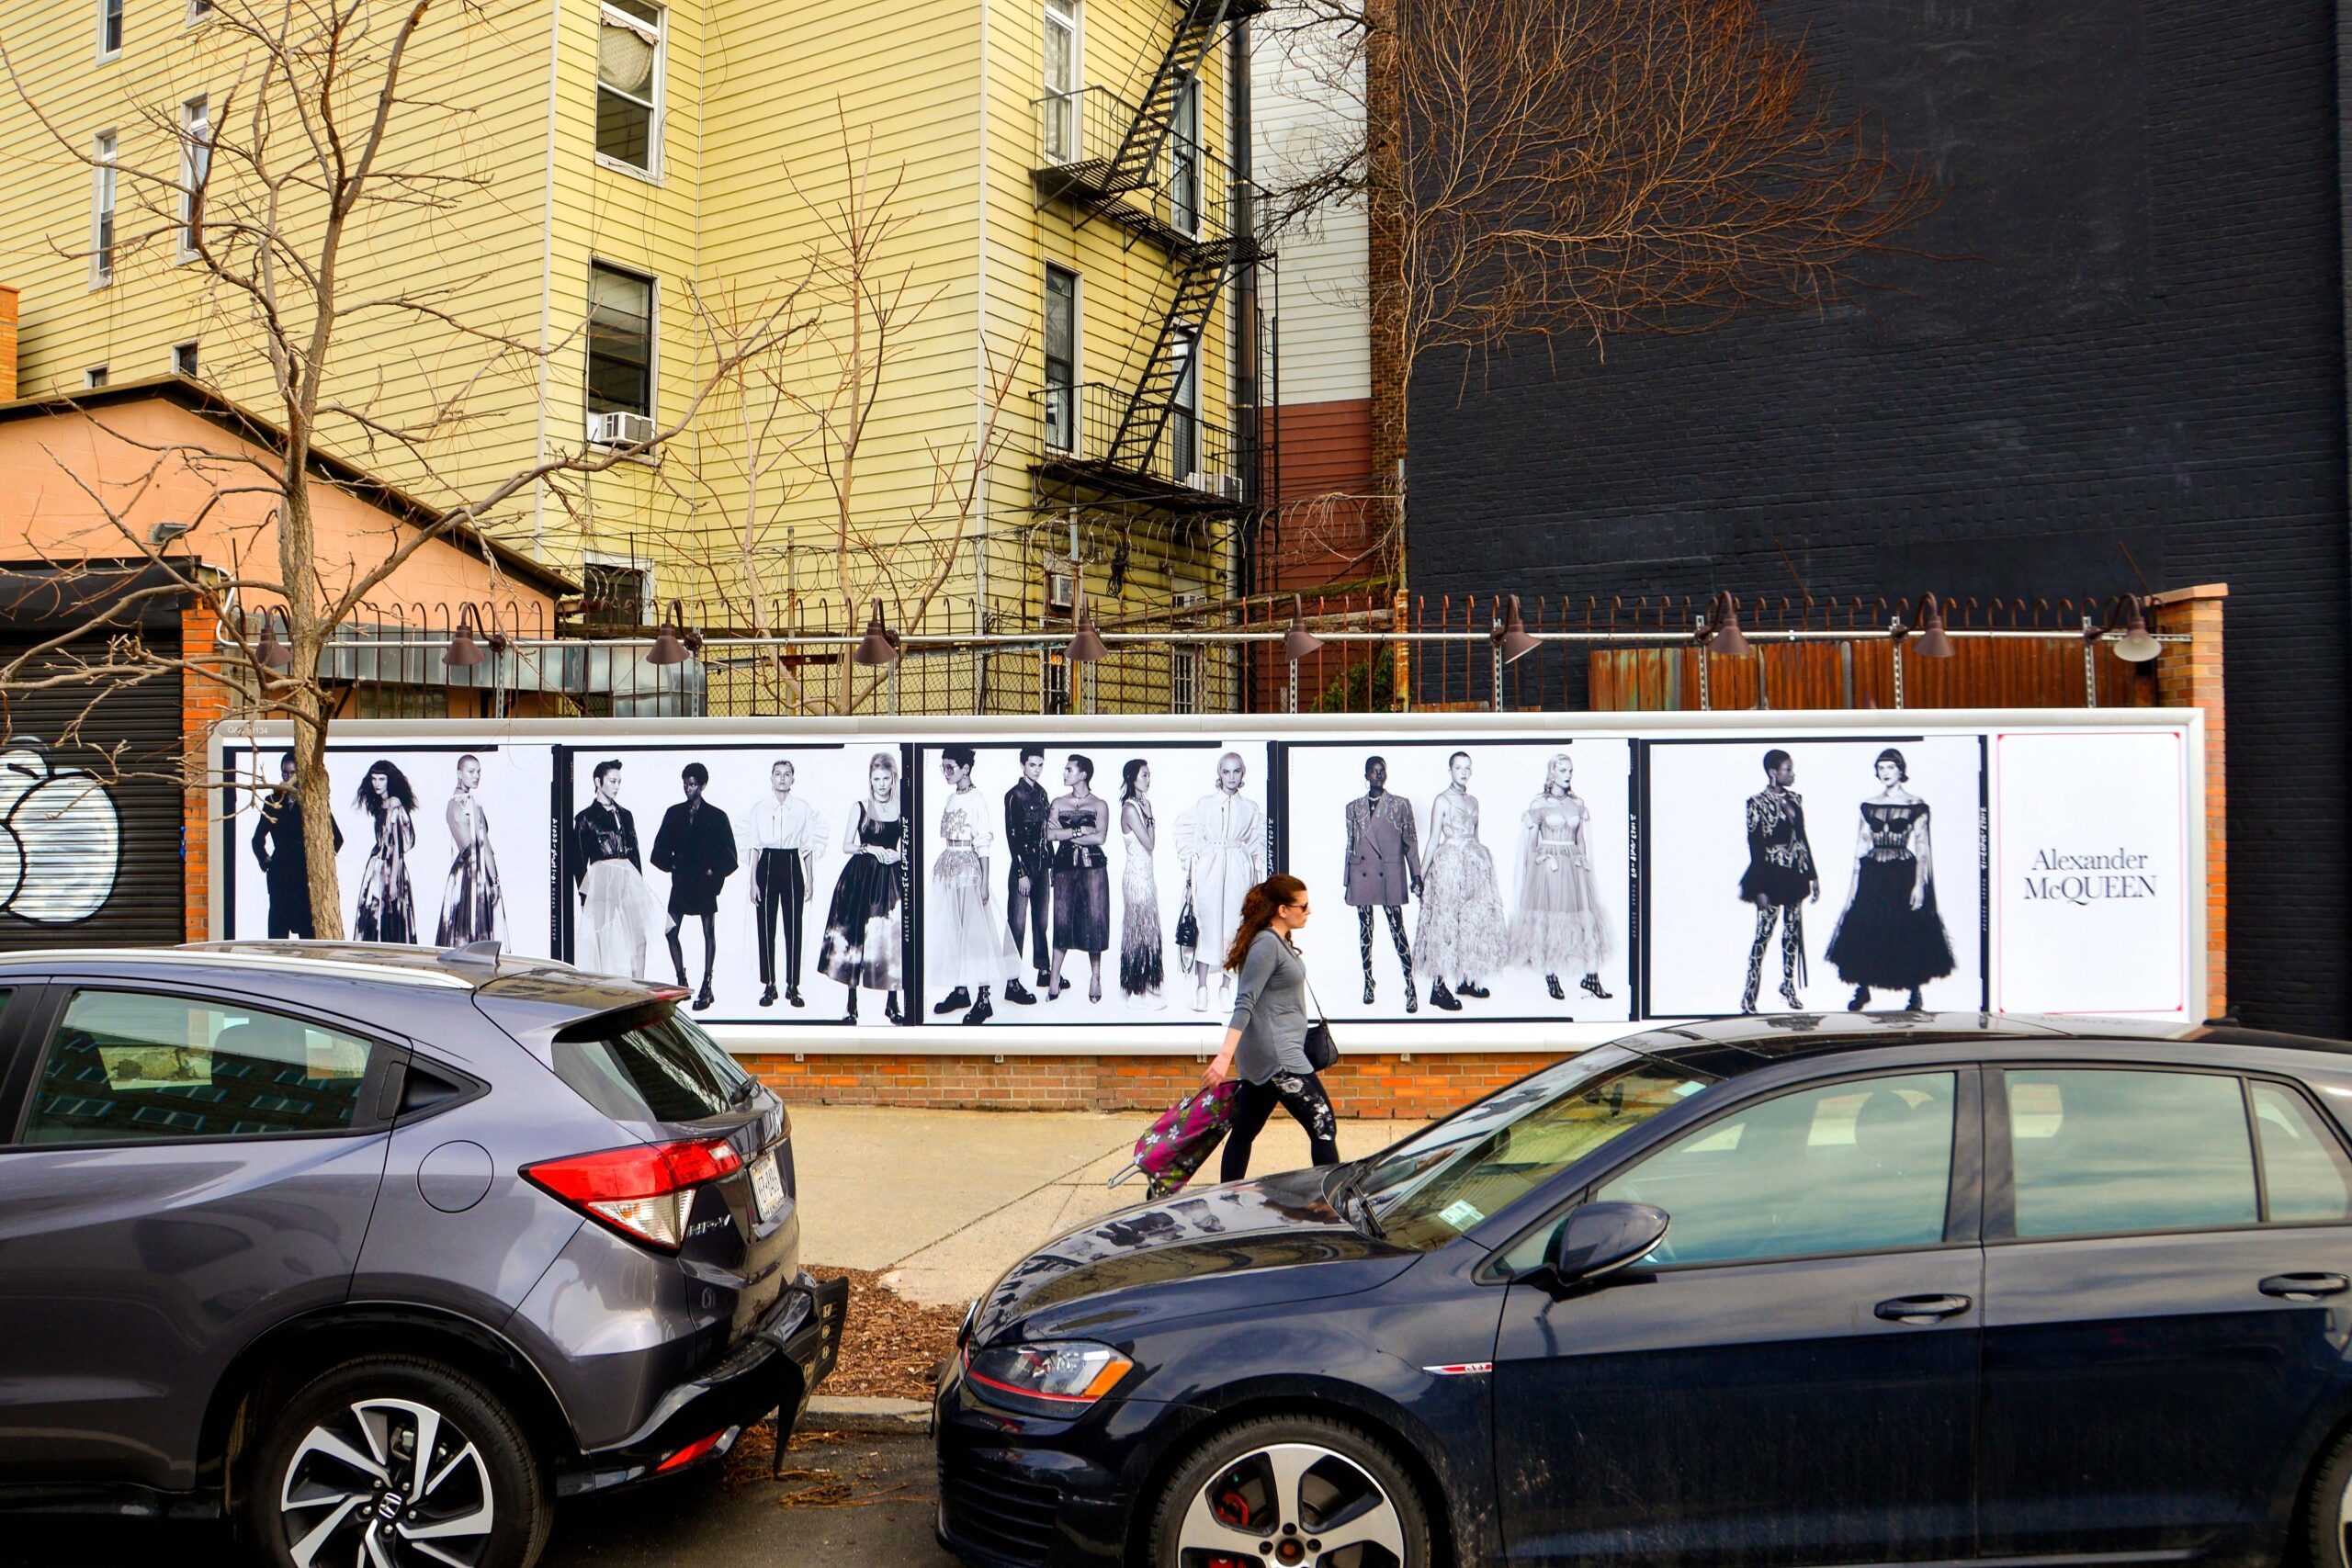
(981, 1012)
(1367, 990)
(890, 1009)
(958, 998)
(1441, 998)
(1472, 988)
(1788, 995)
(1014, 992)
(1914, 1004)
(1412, 997)
(767, 996)
(1201, 997)
(1592, 982)
(1094, 989)
(1552, 983)
(1862, 998)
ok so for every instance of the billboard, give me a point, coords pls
(1478, 882)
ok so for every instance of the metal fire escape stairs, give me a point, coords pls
(1203, 259)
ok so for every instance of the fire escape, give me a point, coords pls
(1142, 168)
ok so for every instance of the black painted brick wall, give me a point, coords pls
(2127, 335)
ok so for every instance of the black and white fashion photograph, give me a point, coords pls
(429, 842)
(1814, 876)
(1101, 861)
(606, 865)
(1485, 881)
(740, 855)
(864, 944)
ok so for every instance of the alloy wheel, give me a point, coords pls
(387, 1483)
(1291, 1506)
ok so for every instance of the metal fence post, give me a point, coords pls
(1895, 632)
(1497, 702)
(2090, 663)
(1293, 687)
(1706, 693)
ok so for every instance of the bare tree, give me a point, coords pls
(1576, 169)
(302, 201)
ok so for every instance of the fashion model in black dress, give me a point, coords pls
(864, 947)
(1890, 936)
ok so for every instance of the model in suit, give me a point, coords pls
(784, 836)
(1382, 870)
(285, 864)
(695, 844)
(1027, 864)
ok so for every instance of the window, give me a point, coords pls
(196, 166)
(657, 1066)
(109, 28)
(614, 597)
(620, 342)
(2305, 1176)
(95, 377)
(1851, 1167)
(1060, 122)
(1185, 158)
(1184, 680)
(1185, 410)
(197, 10)
(386, 699)
(102, 198)
(628, 84)
(127, 1067)
(184, 359)
(2097, 1152)
(1055, 695)
(1061, 359)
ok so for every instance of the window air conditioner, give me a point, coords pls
(1058, 590)
(620, 429)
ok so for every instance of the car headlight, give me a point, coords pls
(1057, 1378)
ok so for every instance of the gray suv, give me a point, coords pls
(378, 1250)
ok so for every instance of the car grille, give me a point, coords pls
(989, 1508)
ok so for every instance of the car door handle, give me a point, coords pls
(2305, 1287)
(1921, 1309)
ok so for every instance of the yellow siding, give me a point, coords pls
(761, 98)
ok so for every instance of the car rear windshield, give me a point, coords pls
(648, 1065)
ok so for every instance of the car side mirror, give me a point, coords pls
(1601, 1238)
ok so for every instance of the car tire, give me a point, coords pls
(1287, 1489)
(340, 1460)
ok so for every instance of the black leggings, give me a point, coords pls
(1302, 1095)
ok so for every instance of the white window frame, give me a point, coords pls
(1184, 132)
(189, 349)
(198, 11)
(105, 190)
(659, 108)
(1074, 12)
(1076, 347)
(652, 281)
(196, 166)
(93, 378)
(115, 9)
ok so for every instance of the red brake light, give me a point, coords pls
(642, 1191)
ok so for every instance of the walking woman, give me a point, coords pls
(1558, 927)
(387, 902)
(1889, 935)
(1265, 1043)
(862, 946)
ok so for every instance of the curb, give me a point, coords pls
(868, 1417)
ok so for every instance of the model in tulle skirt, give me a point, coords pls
(1141, 967)
(1889, 936)
(1463, 928)
(864, 948)
(1559, 927)
(965, 949)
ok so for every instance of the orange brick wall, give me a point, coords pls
(2191, 677)
(203, 704)
(1378, 1086)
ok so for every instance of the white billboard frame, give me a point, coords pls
(1186, 1034)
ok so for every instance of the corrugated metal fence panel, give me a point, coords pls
(1860, 674)
(90, 833)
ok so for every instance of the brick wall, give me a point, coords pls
(2111, 360)
(203, 704)
(1372, 1085)
(7, 342)
(2191, 677)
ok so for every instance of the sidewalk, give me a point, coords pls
(946, 1200)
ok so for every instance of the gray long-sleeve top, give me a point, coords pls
(1270, 1009)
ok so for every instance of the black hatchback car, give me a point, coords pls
(1786, 1290)
(380, 1249)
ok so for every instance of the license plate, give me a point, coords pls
(767, 1187)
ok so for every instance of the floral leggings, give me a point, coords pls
(1302, 1095)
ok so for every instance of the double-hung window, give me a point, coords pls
(1058, 113)
(102, 198)
(1061, 359)
(196, 167)
(1185, 410)
(620, 342)
(629, 85)
(109, 28)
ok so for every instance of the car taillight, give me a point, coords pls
(642, 1191)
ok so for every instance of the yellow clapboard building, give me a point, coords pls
(1006, 240)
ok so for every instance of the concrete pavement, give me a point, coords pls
(946, 1200)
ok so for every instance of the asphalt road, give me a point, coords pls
(862, 1502)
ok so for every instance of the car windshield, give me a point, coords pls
(1430, 1188)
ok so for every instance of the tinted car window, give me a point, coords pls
(2099, 1152)
(650, 1066)
(2304, 1173)
(1851, 1167)
(128, 1067)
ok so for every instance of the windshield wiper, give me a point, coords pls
(1350, 1186)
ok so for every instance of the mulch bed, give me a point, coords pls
(891, 1348)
